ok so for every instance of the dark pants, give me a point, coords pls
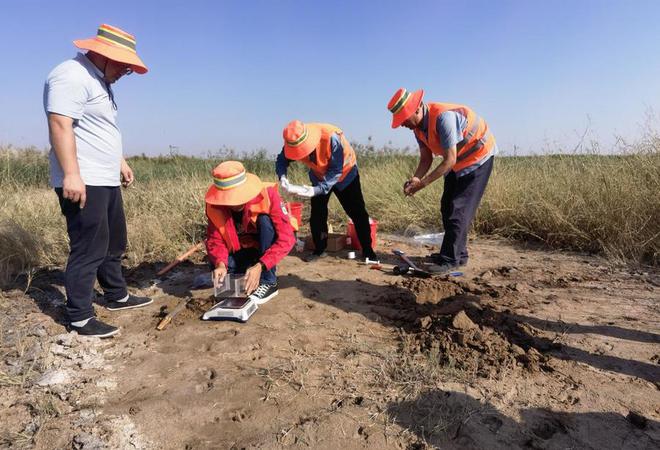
(352, 201)
(459, 203)
(241, 260)
(97, 235)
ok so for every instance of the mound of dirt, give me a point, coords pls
(462, 324)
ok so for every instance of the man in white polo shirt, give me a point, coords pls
(87, 169)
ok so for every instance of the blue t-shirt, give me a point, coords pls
(450, 126)
(335, 168)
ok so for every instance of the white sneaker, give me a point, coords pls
(264, 293)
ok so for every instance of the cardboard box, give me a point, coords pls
(336, 242)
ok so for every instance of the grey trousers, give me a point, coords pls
(458, 206)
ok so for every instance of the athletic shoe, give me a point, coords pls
(95, 328)
(264, 293)
(370, 257)
(435, 258)
(314, 256)
(131, 303)
(437, 269)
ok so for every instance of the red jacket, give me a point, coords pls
(217, 250)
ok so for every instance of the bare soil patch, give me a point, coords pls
(528, 349)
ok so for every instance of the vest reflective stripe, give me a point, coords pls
(477, 141)
(220, 214)
(324, 152)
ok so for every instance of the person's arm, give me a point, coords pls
(281, 165)
(216, 248)
(335, 167)
(283, 230)
(425, 161)
(63, 143)
(127, 176)
(443, 168)
(448, 128)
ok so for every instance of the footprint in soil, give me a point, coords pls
(493, 423)
(548, 429)
(240, 415)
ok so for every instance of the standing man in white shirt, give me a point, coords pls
(87, 169)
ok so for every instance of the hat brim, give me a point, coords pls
(307, 147)
(409, 108)
(114, 53)
(239, 195)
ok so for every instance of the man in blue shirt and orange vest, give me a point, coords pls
(249, 229)
(467, 147)
(332, 168)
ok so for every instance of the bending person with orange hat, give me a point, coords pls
(87, 168)
(249, 229)
(332, 168)
(467, 147)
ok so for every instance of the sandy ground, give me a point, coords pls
(528, 349)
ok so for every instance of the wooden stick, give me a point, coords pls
(168, 318)
(182, 257)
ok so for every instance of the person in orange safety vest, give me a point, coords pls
(249, 229)
(332, 164)
(467, 148)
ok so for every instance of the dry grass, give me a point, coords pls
(586, 202)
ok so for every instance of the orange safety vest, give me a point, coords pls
(324, 152)
(220, 214)
(477, 141)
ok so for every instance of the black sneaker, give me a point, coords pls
(95, 328)
(132, 302)
(436, 259)
(370, 257)
(437, 269)
(314, 256)
(264, 293)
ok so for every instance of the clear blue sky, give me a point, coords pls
(234, 73)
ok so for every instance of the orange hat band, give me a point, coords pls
(231, 182)
(113, 37)
(298, 141)
(399, 104)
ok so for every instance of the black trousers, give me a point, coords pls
(458, 206)
(240, 261)
(352, 201)
(97, 235)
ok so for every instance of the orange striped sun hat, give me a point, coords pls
(232, 185)
(300, 139)
(114, 44)
(403, 104)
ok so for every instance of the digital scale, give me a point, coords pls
(234, 305)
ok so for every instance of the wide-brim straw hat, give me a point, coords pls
(403, 104)
(114, 44)
(232, 185)
(300, 139)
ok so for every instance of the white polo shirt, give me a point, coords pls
(76, 89)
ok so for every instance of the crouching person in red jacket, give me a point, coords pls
(249, 229)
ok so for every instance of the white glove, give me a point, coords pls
(284, 183)
(303, 191)
(306, 191)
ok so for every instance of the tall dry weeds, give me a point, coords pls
(587, 202)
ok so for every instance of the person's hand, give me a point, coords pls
(413, 185)
(252, 278)
(306, 191)
(74, 190)
(127, 176)
(284, 182)
(219, 273)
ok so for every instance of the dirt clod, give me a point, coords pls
(462, 322)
